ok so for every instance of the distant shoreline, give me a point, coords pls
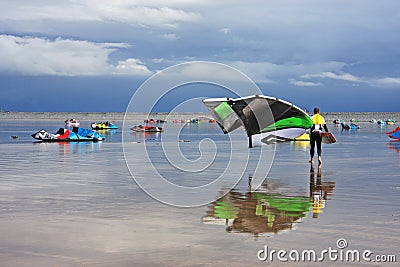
(101, 116)
(110, 116)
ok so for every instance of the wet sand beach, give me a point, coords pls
(77, 204)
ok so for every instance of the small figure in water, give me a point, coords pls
(315, 135)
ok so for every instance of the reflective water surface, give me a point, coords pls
(76, 204)
(268, 210)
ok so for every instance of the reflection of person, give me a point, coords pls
(319, 191)
(318, 202)
(315, 135)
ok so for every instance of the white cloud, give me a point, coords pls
(303, 83)
(39, 56)
(131, 66)
(347, 77)
(388, 81)
(270, 42)
(157, 60)
(225, 30)
(267, 72)
(142, 15)
(170, 36)
(328, 74)
(131, 12)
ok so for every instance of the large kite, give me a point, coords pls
(265, 119)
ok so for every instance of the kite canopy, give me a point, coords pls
(266, 119)
(395, 134)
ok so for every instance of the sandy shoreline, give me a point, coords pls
(79, 204)
(110, 116)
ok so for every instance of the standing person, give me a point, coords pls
(315, 134)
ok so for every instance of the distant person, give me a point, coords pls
(316, 135)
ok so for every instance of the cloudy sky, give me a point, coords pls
(91, 55)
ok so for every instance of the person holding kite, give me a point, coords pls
(316, 134)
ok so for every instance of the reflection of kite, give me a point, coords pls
(257, 212)
(269, 209)
(224, 210)
(395, 145)
(266, 119)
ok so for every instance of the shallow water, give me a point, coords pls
(76, 204)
